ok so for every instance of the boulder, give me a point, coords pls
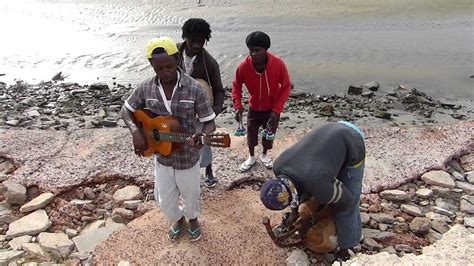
(394, 195)
(438, 178)
(127, 193)
(15, 193)
(420, 225)
(424, 193)
(30, 224)
(412, 210)
(38, 202)
(57, 244)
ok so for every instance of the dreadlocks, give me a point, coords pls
(196, 27)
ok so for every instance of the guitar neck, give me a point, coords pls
(171, 136)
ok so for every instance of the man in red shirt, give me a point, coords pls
(268, 84)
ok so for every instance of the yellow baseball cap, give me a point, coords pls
(163, 42)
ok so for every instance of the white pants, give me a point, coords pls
(170, 184)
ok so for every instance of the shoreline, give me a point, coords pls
(70, 106)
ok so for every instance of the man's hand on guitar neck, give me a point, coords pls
(195, 140)
(139, 142)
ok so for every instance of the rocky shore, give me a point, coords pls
(69, 193)
(69, 106)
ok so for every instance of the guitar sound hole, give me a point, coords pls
(156, 134)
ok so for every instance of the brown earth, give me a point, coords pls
(232, 234)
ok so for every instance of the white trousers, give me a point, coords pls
(170, 184)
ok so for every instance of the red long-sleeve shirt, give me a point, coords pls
(268, 90)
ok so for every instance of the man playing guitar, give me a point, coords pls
(172, 92)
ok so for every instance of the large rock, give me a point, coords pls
(88, 241)
(30, 224)
(6, 215)
(34, 249)
(298, 258)
(437, 216)
(442, 211)
(15, 193)
(438, 178)
(420, 225)
(9, 255)
(467, 187)
(424, 193)
(412, 210)
(395, 195)
(440, 226)
(466, 205)
(38, 202)
(127, 193)
(469, 221)
(56, 243)
(93, 226)
(17, 242)
(382, 218)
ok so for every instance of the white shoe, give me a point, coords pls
(245, 166)
(267, 161)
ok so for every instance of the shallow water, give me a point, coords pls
(326, 44)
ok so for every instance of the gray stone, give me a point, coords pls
(382, 218)
(371, 244)
(38, 202)
(93, 226)
(6, 215)
(412, 210)
(365, 218)
(127, 193)
(33, 113)
(424, 203)
(15, 193)
(438, 178)
(400, 228)
(354, 90)
(469, 198)
(467, 187)
(442, 203)
(373, 86)
(58, 244)
(383, 227)
(70, 232)
(405, 248)
(12, 122)
(420, 225)
(424, 193)
(30, 224)
(437, 216)
(17, 242)
(9, 255)
(131, 204)
(88, 242)
(470, 177)
(466, 206)
(442, 211)
(441, 191)
(469, 221)
(99, 86)
(440, 226)
(34, 249)
(458, 176)
(394, 195)
(433, 236)
(389, 250)
(80, 202)
(124, 213)
(89, 193)
(298, 257)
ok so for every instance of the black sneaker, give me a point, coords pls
(210, 181)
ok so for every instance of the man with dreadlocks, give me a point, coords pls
(199, 64)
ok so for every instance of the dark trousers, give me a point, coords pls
(255, 120)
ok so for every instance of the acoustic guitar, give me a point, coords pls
(163, 134)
